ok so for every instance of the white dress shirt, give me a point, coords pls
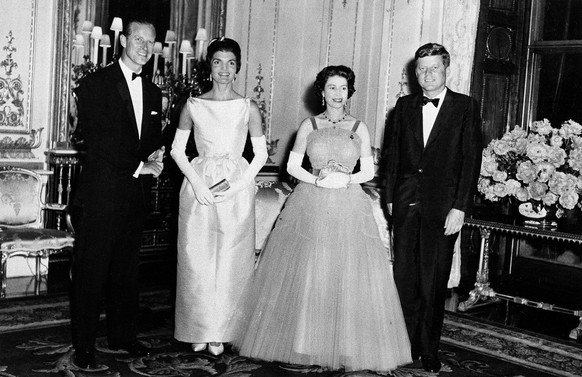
(429, 114)
(136, 93)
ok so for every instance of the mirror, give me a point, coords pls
(89, 33)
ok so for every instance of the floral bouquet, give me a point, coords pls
(541, 167)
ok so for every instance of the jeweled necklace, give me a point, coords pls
(336, 121)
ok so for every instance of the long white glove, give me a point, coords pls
(333, 180)
(294, 168)
(178, 153)
(366, 172)
(248, 177)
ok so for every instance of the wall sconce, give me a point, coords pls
(117, 27)
(105, 44)
(96, 35)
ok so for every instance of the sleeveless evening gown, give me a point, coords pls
(323, 293)
(215, 242)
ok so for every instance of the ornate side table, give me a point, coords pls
(483, 291)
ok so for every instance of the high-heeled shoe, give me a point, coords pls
(215, 349)
(197, 347)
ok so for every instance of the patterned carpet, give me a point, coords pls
(35, 341)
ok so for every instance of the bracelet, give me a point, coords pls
(315, 183)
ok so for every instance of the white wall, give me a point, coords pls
(293, 39)
(32, 24)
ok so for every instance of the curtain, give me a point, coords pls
(460, 18)
(184, 19)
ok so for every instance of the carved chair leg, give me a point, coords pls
(3, 260)
(576, 333)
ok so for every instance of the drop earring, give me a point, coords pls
(323, 101)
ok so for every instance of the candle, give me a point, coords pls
(190, 58)
(105, 44)
(96, 34)
(79, 45)
(116, 26)
(204, 47)
(86, 32)
(185, 50)
(157, 51)
(201, 37)
(170, 40)
(166, 53)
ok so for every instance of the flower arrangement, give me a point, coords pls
(542, 167)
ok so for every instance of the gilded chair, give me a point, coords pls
(22, 203)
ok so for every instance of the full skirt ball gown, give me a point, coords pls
(323, 292)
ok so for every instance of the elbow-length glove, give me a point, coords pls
(366, 172)
(178, 153)
(248, 177)
(332, 180)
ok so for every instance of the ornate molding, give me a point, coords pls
(21, 147)
(18, 137)
(62, 83)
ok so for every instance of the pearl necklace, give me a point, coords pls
(337, 121)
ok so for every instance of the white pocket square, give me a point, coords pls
(154, 113)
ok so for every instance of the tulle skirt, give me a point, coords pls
(323, 292)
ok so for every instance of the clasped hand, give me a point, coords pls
(206, 197)
(334, 180)
(203, 195)
(154, 164)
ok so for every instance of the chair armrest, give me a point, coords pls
(62, 208)
(55, 206)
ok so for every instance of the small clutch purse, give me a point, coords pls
(332, 167)
(219, 186)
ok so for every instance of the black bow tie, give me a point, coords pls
(136, 75)
(434, 101)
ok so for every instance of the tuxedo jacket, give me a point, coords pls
(113, 148)
(441, 175)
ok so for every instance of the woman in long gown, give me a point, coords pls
(323, 293)
(216, 225)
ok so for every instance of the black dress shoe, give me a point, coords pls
(431, 363)
(85, 359)
(133, 348)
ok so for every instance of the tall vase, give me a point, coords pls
(540, 218)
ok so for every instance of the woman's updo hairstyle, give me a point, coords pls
(226, 45)
(335, 70)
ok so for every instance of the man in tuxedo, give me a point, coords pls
(433, 162)
(119, 122)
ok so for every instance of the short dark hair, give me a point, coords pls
(128, 26)
(225, 45)
(335, 70)
(433, 49)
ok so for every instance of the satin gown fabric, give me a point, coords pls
(215, 242)
(323, 293)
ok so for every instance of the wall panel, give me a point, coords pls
(293, 39)
(26, 64)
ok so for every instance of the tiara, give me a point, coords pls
(215, 39)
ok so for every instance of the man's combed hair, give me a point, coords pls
(433, 49)
(127, 25)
